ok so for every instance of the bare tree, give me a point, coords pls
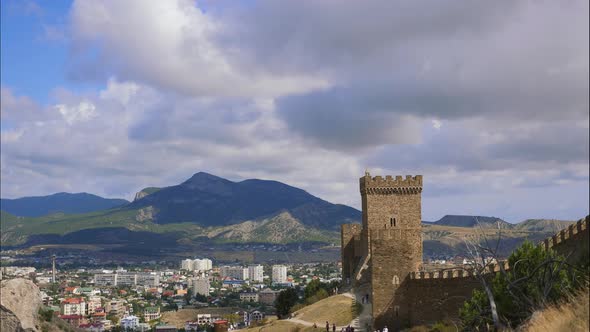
(483, 259)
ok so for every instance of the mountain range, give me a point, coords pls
(61, 202)
(211, 209)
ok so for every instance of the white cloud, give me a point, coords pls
(436, 124)
(171, 45)
(82, 112)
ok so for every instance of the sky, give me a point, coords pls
(488, 100)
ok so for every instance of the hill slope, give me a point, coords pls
(543, 225)
(60, 202)
(471, 221)
(209, 200)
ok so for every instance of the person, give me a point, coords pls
(385, 329)
(327, 326)
(315, 326)
(333, 327)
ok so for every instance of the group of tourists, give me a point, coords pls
(344, 329)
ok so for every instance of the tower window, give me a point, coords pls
(395, 280)
(392, 222)
(396, 310)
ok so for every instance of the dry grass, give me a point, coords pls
(334, 309)
(569, 316)
(281, 326)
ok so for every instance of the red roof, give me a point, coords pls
(71, 316)
(82, 326)
(73, 300)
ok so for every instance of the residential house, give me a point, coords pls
(73, 306)
(151, 313)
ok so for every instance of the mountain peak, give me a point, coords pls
(205, 175)
(209, 200)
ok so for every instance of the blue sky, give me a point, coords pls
(484, 99)
(31, 63)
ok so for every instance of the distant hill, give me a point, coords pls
(471, 221)
(209, 200)
(543, 225)
(60, 202)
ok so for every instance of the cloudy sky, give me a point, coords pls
(487, 99)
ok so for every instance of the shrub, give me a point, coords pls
(536, 277)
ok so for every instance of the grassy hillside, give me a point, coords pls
(335, 309)
(282, 228)
(571, 315)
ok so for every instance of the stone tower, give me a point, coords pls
(392, 236)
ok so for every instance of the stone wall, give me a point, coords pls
(395, 253)
(350, 242)
(572, 242)
(437, 299)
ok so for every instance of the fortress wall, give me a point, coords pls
(395, 253)
(350, 243)
(436, 299)
(572, 242)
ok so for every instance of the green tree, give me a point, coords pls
(535, 278)
(286, 299)
(312, 288)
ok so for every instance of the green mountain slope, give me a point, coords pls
(281, 228)
(209, 200)
(60, 202)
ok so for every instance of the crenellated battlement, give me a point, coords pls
(390, 185)
(443, 274)
(566, 234)
(458, 273)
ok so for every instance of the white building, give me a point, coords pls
(126, 279)
(73, 306)
(148, 279)
(256, 273)
(204, 264)
(93, 303)
(187, 264)
(235, 272)
(201, 286)
(129, 322)
(151, 313)
(105, 279)
(279, 274)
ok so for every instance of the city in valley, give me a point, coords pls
(294, 166)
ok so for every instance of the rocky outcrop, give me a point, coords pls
(144, 192)
(145, 214)
(20, 302)
(9, 321)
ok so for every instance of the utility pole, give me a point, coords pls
(53, 277)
